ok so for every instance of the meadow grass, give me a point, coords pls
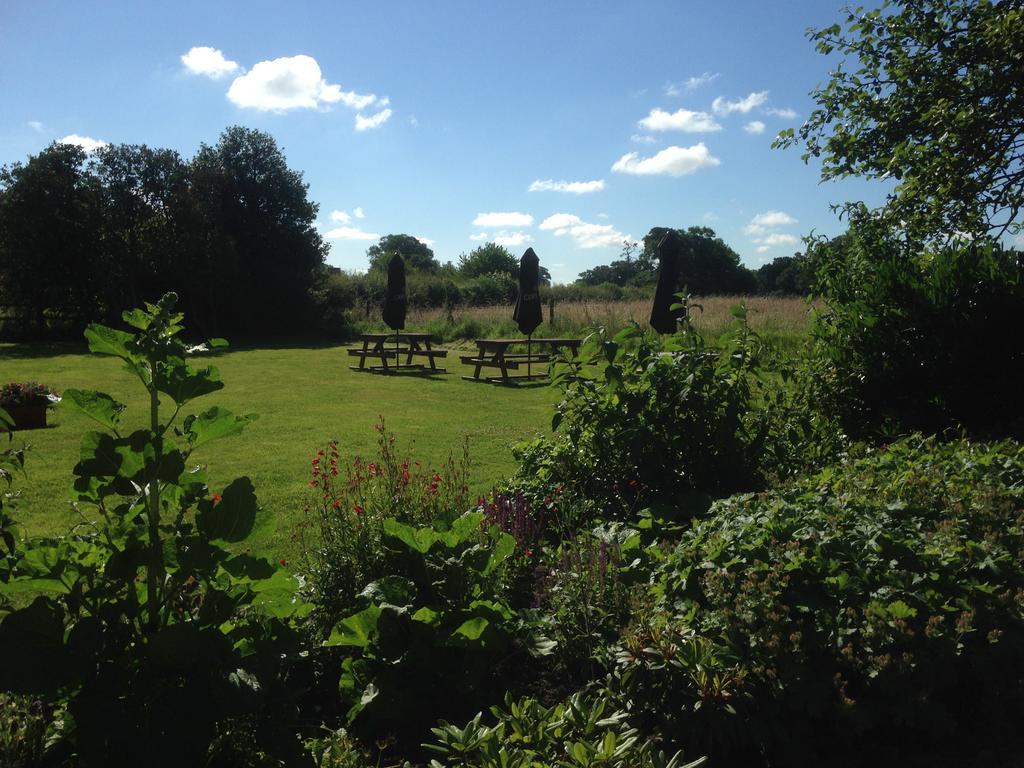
(303, 397)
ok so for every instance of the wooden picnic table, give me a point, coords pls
(394, 346)
(494, 353)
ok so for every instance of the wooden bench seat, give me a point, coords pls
(360, 352)
(428, 352)
(485, 361)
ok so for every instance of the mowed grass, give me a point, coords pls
(303, 397)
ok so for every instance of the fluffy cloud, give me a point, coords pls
(786, 113)
(426, 241)
(512, 239)
(36, 126)
(754, 127)
(776, 238)
(638, 138)
(203, 60)
(680, 120)
(85, 142)
(358, 213)
(341, 216)
(374, 121)
(574, 187)
(762, 222)
(292, 82)
(506, 219)
(584, 234)
(721, 106)
(761, 230)
(690, 84)
(671, 161)
(350, 233)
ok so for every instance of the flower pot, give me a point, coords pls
(28, 416)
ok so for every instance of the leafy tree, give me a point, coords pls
(489, 258)
(261, 253)
(417, 254)
(708, 265)
(49, 237)
(933, 99)
(785, 275)
(630, 269)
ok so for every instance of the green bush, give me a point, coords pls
(144, 628)
(584, 731)
(645, 419)
(870, 614)
(920, 338)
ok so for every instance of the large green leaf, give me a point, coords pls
(212, 424)
(182, 384)
(471, 629)
(417, 539)
(108, 341)
(356, 631)
(32, 649)
(233, 517)
(98, 406)
(504, 546)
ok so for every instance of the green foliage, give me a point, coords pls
(919, 339)
(418, 255)
(350, 502)
(487, 259)
(436, 633)
(141, 613)
(707, 266)
(584, 731)
(24, 728)
(929, 95)
(231, 230)
(644, 419)
(872, 612)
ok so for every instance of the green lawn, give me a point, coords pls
(304, 396)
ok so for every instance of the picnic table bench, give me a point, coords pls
(494, 353)
(395, 346)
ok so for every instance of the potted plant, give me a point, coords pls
(26, 403)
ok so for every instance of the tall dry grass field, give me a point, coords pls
(784, 316)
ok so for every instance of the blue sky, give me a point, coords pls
(565, 126)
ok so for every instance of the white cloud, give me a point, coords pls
(672, 161)
(426, 241)
(776, 238)
(506, 219)
(770, 219)
(584, 234)
(641, 139)
(690, 84)
(721, 106)
(350, 233)
(763, 248)
(680, 120)
(512, 239)
(341, 216)
(478, 236)
(87, 143)
(358, 213)
(36, 126)
(786, 114)
(291, 82)
(203, 60)
(754, 127)
(573, 187)
(413, 121)
(374, 121)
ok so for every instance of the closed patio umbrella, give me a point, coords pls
(663, 319)
(528, 313)
(394, 294)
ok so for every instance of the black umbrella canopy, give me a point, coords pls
(663, 319)
(528, 313)
(394, 295)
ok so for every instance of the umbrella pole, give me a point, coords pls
(529, 356)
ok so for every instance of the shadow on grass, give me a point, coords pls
(24, 350)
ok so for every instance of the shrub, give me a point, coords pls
(584, 730)
(27, 393)
(872, 613)
(350, 502)
(144, 625)
(920, 339)
(644, 419)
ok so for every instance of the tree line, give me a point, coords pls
(233, 232)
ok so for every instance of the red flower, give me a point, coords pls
(528, 552)
(632, 483)
(282, 561)
(336, 504)
(313, 483)
(558, 489)
(215, 498)
(359, 510)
